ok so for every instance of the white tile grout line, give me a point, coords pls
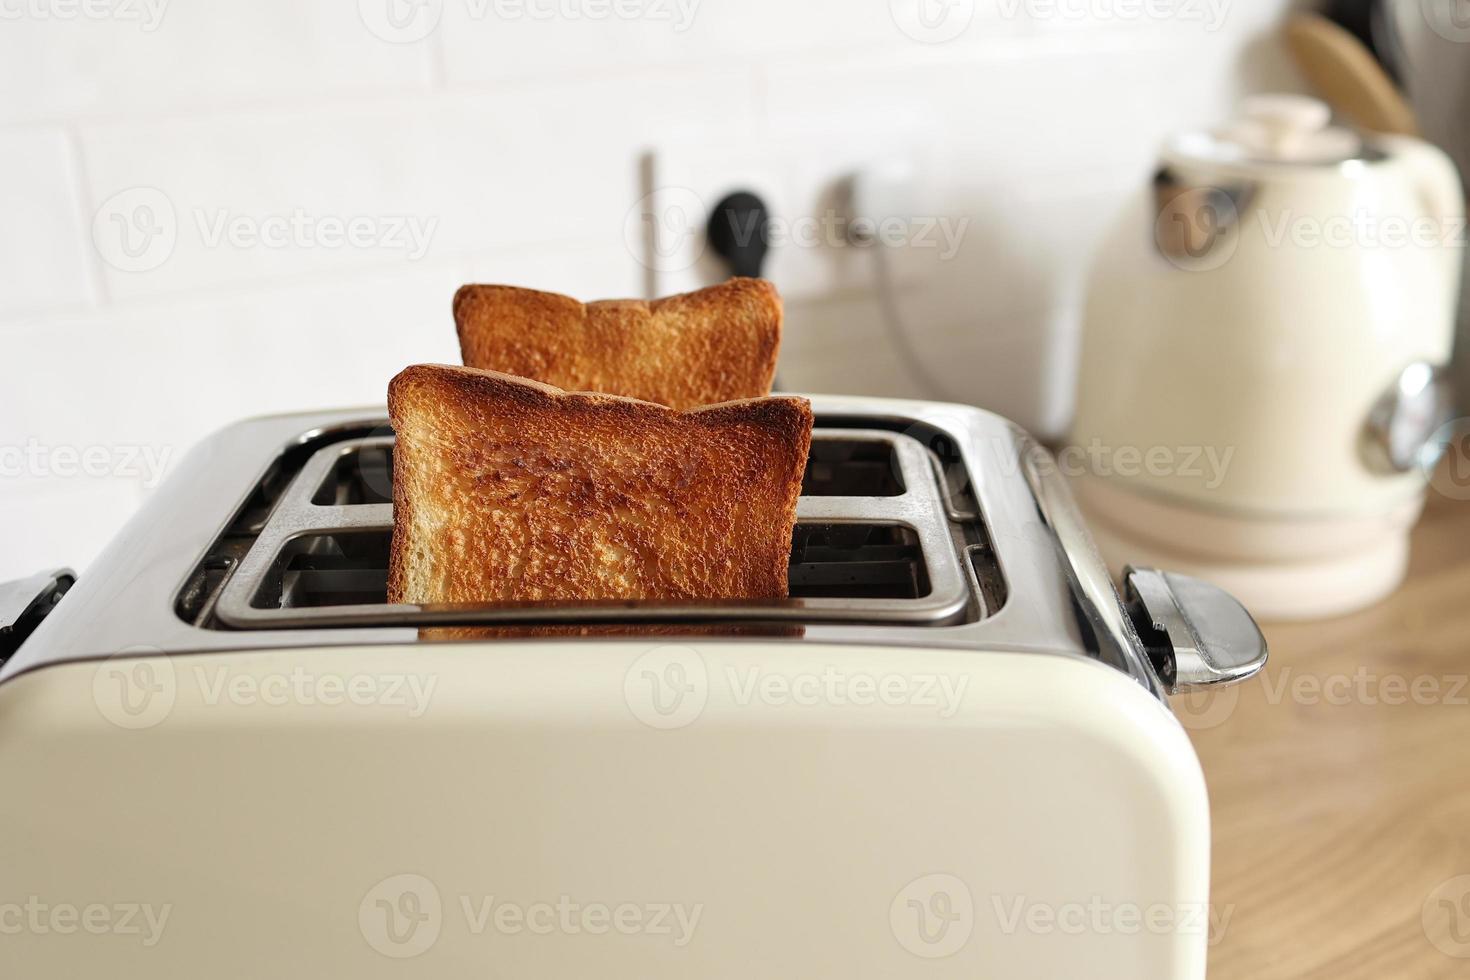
(815, 57)
(240, 290)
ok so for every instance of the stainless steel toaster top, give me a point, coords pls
(919, 524)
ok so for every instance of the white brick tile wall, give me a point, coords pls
(528, 145)
(487, 40)
(146, 57)
(427, 180)
(1003, 115)
(588, 270)
(148, 382)
(44, 261)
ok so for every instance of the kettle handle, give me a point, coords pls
(1441, 191)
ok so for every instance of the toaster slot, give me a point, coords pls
(329, 570)
(852, 468)
(361, 474)
(865, 561)
(875, 542)
(857, 561)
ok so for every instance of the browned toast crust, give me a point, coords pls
(506, 489)
(714, 345)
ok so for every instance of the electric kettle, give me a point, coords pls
(1262, 373)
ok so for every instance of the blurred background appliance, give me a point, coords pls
(1397, 66)
(1428, 43)
(1347, 72)
(1263, 356)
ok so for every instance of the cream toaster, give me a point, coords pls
(948, 754)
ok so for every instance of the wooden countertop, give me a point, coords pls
(1340, 785)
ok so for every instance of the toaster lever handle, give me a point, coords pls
(1196, 634)
(25, 602)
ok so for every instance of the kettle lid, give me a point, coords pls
(1274, 129)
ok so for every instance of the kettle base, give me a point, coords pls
(1278, 568)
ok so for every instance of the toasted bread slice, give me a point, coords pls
(506, 489)
(715, 345)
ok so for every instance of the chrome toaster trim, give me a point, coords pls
(1059, 599)
(919, 508)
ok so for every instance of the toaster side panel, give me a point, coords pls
(707, 810)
